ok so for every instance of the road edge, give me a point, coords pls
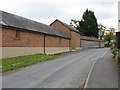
(89, 73)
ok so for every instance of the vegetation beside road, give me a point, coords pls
(23, 61)
(116, 55)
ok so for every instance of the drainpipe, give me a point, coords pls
(70, 41)
(44, 43)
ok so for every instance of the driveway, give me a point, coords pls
(69, 71)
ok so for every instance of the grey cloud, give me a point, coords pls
(104, 3)
(104, 15)
(48, 11)
(43, 10)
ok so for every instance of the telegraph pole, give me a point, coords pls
(118, 39)
(118, 33)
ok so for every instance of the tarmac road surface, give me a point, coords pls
(69, 71)
(104, 74)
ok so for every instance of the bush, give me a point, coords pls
(112, 47)
(114, 52)
(119, 57)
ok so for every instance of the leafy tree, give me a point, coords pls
(102, 30)
(75, 23)
(109, 36)
(88, 24)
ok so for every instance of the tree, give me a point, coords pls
(88, 24)
(75, 23)
(102, 30)
(109, 36)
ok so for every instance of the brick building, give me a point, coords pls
(21, 36)
(77, 41)
(69, 30)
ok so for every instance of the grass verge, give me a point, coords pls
(23, 61)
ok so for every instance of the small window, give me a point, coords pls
(17, 34)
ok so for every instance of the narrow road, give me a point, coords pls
(104, 74)
(66, 72)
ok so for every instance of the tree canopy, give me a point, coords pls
(109, 36)
(75, 23)
(102, 30)
(88, 24)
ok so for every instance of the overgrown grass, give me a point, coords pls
(114, 52)
(116, 55)
(23, 61)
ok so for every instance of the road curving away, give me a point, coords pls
(66, 72)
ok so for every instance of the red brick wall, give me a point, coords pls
(28, 39)
(52, 41)
(60, 26)
(65, 42)
(66, 30)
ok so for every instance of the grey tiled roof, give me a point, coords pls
(24, 23)
(68, 26)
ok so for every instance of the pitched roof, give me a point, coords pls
(68, 26)
(12, 20)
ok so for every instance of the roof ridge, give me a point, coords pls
(24, 18)
(67, 25)
(25, 23)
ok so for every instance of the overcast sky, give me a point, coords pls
(46, 11)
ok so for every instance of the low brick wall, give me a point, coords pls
(20, 51)
(85, 44)
(88, 42)
(7, 52)
(55, 50)
(78, 48)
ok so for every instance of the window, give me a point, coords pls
(17, 34)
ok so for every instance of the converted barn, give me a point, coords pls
(21, 36)
(77, 41)
(69, 30)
